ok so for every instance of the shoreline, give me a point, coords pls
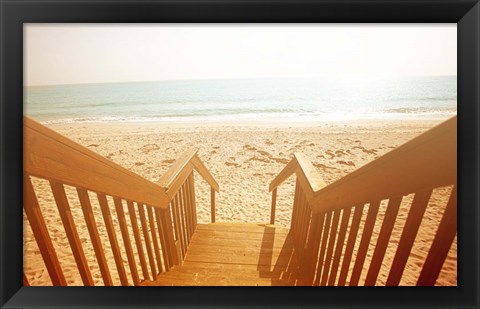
(263, 124)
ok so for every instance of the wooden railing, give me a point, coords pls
(166, 211)
(426, 162)
(178, 182)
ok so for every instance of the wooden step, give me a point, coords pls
(236, 254)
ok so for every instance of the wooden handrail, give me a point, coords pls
(304, 168)
(170, 206)
(50, 155)
(176, 175)
(418, 167)
(426, 161)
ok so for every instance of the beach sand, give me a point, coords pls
(244, 158)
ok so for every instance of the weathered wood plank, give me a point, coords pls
(382, 242)
(71, 231)
(415, 216)
(212, 204)
(321, 258)
(138, 240)
(203, 171)
(153, 232)
(40, 231)
(167, 223)
(331, 245)
(163, 241)
(52, 156)
(247, 227)
(441, 244)
(126, 240)
(364, 242)
(339, 247)
(117, 255)
(313, 245)
(94, 236)
(191, 185)
(170, 176)
(406, 169)
(274, 203)
(352, 236)
(148, 241)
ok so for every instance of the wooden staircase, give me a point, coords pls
(235, 254)
(327, 242)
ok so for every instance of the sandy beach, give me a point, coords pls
(244, 158)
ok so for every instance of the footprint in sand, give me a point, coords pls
(323, 166)
(349, 163)
(370, 151)
(256, 158)
(232, 164)
(340, 152)
(264, 153)
(93, 145)
(330, 153)
(149, 147)
(168, 161)
(139, 163)
(249, 147)
(280, 160)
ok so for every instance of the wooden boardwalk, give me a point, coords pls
(235, 254)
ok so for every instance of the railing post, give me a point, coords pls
(274, 202)
(212, 201)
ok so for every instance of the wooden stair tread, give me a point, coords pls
(235, 254)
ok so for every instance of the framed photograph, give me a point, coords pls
(258, 154)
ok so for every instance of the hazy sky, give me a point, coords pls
(96, 53)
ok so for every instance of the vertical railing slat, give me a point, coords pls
(191, 182)
(352, 236)
(178, 227)
(188, 196)
(40, 232)
(383, 238)
(167, 223)
(71, 231)
(181, 208)
(364, 243)
(188, 214)
(415, 216)
(161, 236)
(126, 240)
(138, 240)
(293, 221)
(148, 241)
(315, 237)
(107, 218)
(212, 204)
(274, 205)
(153, 232)
(339, 246)
(331, 244)
(325, 234)
(94, 235)
(441, 244)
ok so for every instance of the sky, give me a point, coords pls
(104, 53)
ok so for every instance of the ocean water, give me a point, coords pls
(244, 100)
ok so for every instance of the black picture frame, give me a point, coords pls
(466, 13)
